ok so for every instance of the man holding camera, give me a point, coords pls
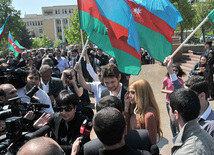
(32, 80)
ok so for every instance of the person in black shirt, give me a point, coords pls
(65, 124)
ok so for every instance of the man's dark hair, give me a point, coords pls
(109, 101)
(109, 125)
(75, 50)
(33, 71)
(67, 98)
(186, 102)
(199, 84)
(110, 70)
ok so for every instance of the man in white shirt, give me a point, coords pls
(62, 62)
(33, 78)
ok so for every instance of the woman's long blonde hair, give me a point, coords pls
(145, 101)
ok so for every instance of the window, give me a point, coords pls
(65, 21)
(40, 30)
(63, 11)
(39, 23)
(33, 23)
(36, 23)
(55, 11)
(69, 10)
(58, 11)
(59, 29)
(27, 23)
(58, 21)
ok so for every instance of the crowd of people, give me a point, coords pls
(127, 116)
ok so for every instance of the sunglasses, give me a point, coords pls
(175, 70)
(67, 109)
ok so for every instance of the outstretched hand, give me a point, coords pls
(42, 121)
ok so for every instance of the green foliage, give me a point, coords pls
(72, 34)
(187, 12)
(58, 42)
(36, 43)
(45, 41)
(25, 39)
(41, 42)
(203, 8)
(14, 24)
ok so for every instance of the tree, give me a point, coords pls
(25, 39)
(14, 23)
(36, 43)
(58, 42)
(45, 41)
(187, 12)
(72, 34)
(203, 8)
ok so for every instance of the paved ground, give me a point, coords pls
(155, 74)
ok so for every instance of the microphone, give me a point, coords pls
(32, 91)
(38, 133)
(41, 105)
(85, 130)
(154, 150)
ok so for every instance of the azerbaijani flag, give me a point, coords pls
(211, 16)
(17, 43)
(12, 46)
(110, 25)
(2, 29)
(156, 21)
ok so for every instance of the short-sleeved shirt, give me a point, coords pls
(62, 64)
(97, 88)
(167, 82)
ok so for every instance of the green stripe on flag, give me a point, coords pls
(10, 47)
(154, 42)
(96, 32)
(211, 16)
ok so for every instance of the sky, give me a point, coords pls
(35, 6)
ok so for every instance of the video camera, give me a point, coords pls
(15, 77)
(15, 137)
(17, 107)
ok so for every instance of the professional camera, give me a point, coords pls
(69, 76)
(15, 77)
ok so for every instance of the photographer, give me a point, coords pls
(33, 78)
(69, 82)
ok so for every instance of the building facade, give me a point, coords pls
(52, 22)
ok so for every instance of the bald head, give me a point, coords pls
(9, 90)
(41, 146)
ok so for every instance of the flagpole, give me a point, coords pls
(83, 51)
(196, 29)
(81, 38)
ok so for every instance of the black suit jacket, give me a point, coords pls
(136, 139)
(106, 92)
(55, 86)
